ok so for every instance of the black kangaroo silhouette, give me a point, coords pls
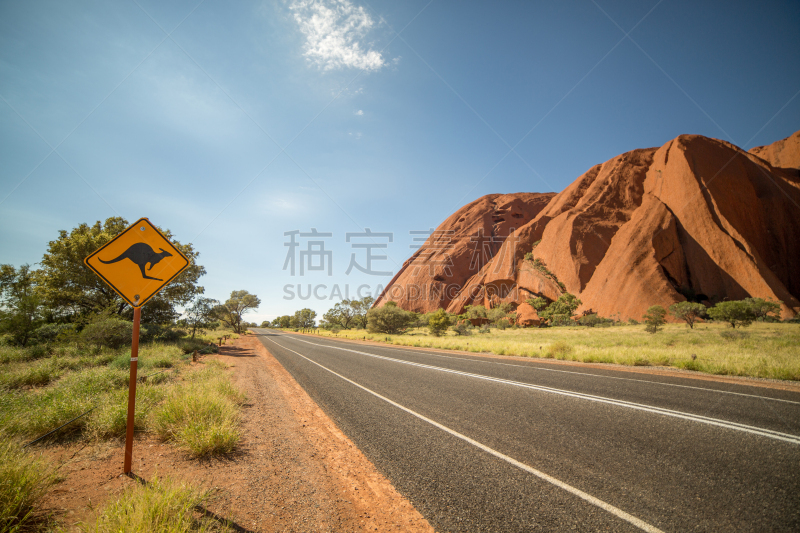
(141, 254)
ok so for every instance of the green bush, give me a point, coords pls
(560, 312)
(594, 320)
(438, 322)
(461, 329)
(48, 333)
(108, 331)
(389, 319)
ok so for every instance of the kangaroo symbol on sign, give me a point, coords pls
(141, 254)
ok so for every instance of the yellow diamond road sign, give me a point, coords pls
(138, 262)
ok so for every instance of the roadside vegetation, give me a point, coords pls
(65, 341)
(765, 350)
(739, 338)
(162, 505)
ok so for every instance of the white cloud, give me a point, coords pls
(333, 30)
(359, 112)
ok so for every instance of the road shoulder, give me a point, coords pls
(293, 470)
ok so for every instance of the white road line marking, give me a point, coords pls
(786, 437)
(644, 526)
(478, 359)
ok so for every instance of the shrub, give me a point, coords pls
(24, 481)
(689, 312)
(49, 332)
(500, 314)
(537, 303)
(594, 320)
(389, 319)
(438, 322)
(736, 313)
(108, 331)
(654, 318)
(461, 329)
(560, 311)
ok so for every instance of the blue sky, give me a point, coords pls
(233, 124)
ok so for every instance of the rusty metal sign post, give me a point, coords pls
(130, 264)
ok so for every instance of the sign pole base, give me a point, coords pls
(126, 469)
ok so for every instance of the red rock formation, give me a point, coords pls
(781, 154)
(458, 248)
(527, 316)
(697, 215)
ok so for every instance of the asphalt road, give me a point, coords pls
(486, 444)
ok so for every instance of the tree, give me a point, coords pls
(654, 318)
(561, 311)
(438, 322)
(764, 310)
(689, 312)
(737, 313)
(284, 321)
(305, 318)
(69, 288)
(475, 311)
(200, 315)
(20, 305)
(231, 312)
(361, 308)
(389, 319)
(342, 314)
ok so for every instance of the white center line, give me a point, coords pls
(777, 435)
(644, 526)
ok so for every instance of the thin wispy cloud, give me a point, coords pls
(359, 112)
(334, 31)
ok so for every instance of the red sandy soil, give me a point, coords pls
(293, 471)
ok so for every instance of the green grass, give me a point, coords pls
(202, 415)
(764, 350)
(24, 481)
(159, 505)
(38, 395)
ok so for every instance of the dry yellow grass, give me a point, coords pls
(762, 350)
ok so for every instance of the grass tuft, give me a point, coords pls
(202, 415)
(24, 481)
(159, 505)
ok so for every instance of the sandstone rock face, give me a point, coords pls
(781, 154)
(697, 217)
(458, 249)
(527, 316)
